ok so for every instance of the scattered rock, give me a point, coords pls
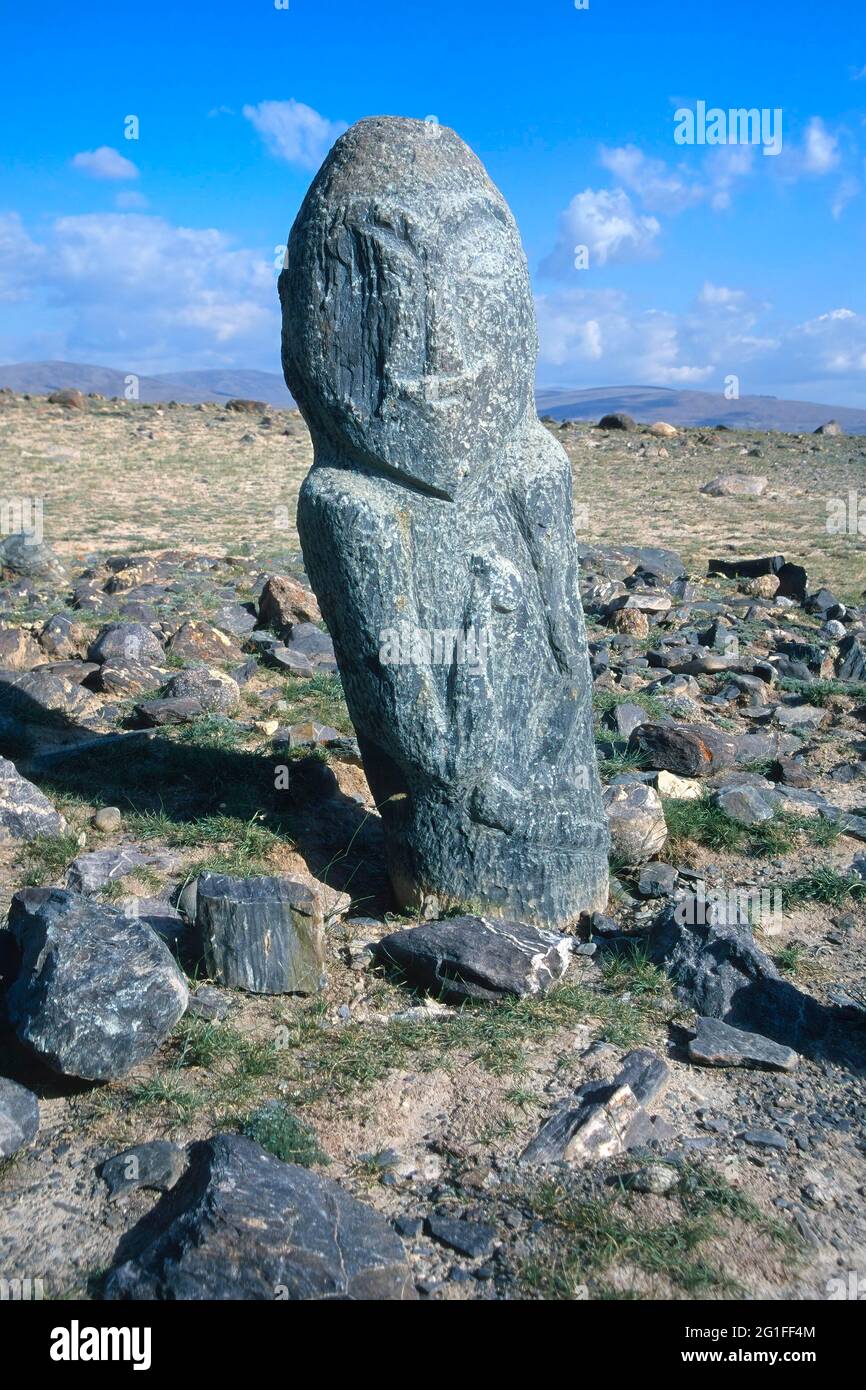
(97, 992)
(735, 485)
(474, 1239)
(24, 811)
(284, 603)
(466, 958)
(636, 818)
(127, 643)
(213, 690)
(157, 1165)
(688, 750)
(617, 420)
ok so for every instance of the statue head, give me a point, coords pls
(409, 337)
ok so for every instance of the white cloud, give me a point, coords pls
(820, 148)
(665, 189)
(131, 290)
(604, 221)
(596, 337)
(848, 189)
(294, 132)
(104, 163)
(20, 259)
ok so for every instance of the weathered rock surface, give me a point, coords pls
(604, 1119)
(96, 992)
(19, 1117)
(477, 958)
(735, 485)
(709, 952)
(638, 830)
(688, 750)
(128, 643)
(24, 811)
(264, 935)
(243, 1225)
(90, 873)
(22, 553)
(285, 602)
(438, 503)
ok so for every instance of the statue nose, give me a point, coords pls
(444, 350)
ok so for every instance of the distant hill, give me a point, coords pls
(650, 403)
(40, 378)
(645, 403)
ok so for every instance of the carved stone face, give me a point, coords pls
(408, 325)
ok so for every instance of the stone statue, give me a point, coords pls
(436, 526)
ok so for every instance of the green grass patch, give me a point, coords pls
(285, 1136)
(586, 1238)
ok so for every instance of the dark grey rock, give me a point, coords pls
(161, 713)
(764, 1138)
(207, 1003)
(130, 642)
(625, 718)
(617, 420)
(438, 503)
(716, 967)
(477, 958)
(657, 880)
(474, 1239)
(717, 1044)
(213, 690)
(689, 750)
(264, 935)
(19, 1117)
(645, 1073)
(744, 804)
(157, 1165)
(241, 1224)
(851, 664)
(96, 992)
(24, 811)
(24, 554)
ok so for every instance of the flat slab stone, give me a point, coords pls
(156, 1165)
(470, 1238)
(243, 1225)
(480, 958)
(717, 1044)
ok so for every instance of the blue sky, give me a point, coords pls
(704, 261)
